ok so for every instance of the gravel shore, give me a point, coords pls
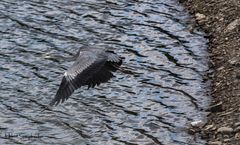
(221, 20)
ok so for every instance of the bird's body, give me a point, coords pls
(92, 66)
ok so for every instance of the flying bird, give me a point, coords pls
(92, 66)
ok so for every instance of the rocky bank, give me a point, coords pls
(221, 20)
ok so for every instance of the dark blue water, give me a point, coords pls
(152, 104)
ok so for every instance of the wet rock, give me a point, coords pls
(214, 143)
(232, 25)
(198, 123)
(225, 130)
(196, 126)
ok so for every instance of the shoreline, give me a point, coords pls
(221, 21)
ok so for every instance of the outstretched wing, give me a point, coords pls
(104, 74)
(114, 61)
(113, 57)
(86, 66)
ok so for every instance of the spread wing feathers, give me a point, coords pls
(91, 68)
(112, 57)
(113, 61)
(65, 90)
(86, 66)
(102, 76)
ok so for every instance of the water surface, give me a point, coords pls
(161, 93)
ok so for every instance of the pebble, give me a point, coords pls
(214, 142)
(209, 127)
(237, 129)
(237, 136)
(225, 130)
(226, 140)
(236, 124)
(233, 25)
(198, 123)
(199, 16)
(233, 61)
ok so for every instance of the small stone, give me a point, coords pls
(227, 140)
(225, 130)
(233, 61)
(237, 129)
(200, 17)
(198, 123)
(233, 25)
(237, 136)
(214, 143)
(209, 127)
(236, 124)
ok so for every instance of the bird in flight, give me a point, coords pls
(92, 66)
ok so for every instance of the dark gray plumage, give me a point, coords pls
(92, 66)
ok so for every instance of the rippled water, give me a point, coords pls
(152, 104)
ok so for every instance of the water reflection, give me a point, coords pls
(161, 91)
